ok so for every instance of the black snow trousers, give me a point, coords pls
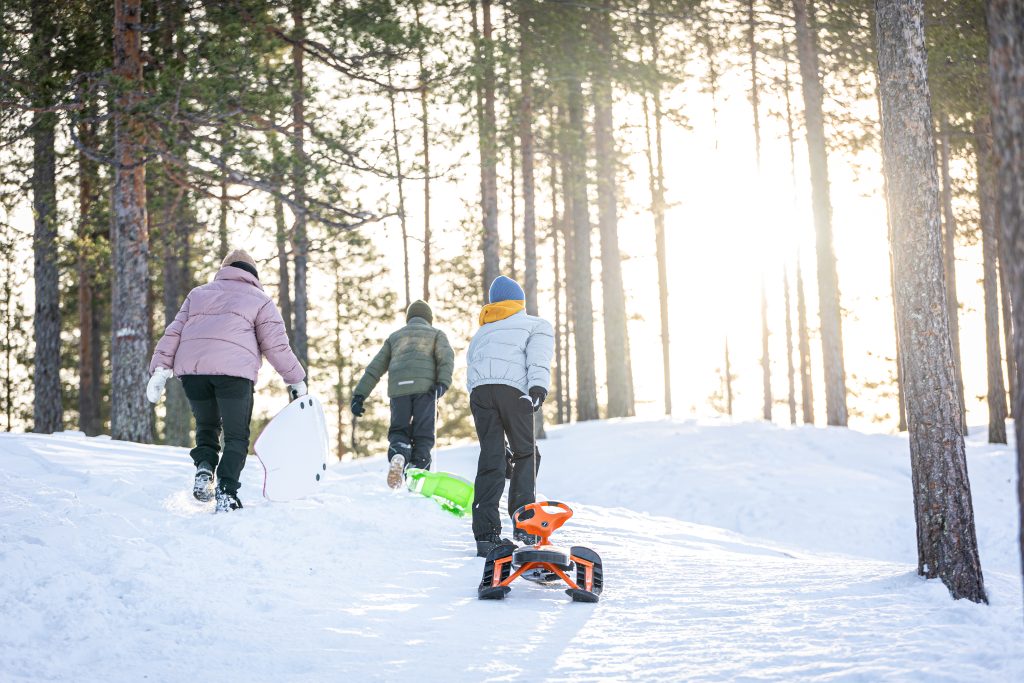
(502, 413)
(412, 428)
(221, 402)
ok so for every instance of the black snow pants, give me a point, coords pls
(217, 402)
(501, 412)
(412, 428)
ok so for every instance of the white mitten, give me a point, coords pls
(155, 388)
(296, 390)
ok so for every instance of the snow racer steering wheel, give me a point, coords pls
(542, 518)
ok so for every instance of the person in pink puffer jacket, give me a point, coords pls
(216, 345)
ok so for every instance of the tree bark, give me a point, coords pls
(766, 367)
(988, 206)
(284, 286)
(656, 181)
(47, 405)
(222, 223)
(400, 179)
(947, 545)
(804, 349)
(131, 416)
(616, 332)
(556, 229)
(176, 232)
(755, 87)
(1006, 308)
(1006, 66)
(90, 233)
(582, 301)
(488, 150)
(790, 369)
(300, 241)
(949, 259)
(527, 160)
(425, 123)
(567, 260)
(829, 309)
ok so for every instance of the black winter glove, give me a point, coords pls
(537, 396)
(357, 405)
(440, 389)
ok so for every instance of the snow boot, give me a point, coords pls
(227, 500)
(396, 471)
(485, 544)
(202, 489)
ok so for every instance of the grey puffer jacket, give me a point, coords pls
(515, 351)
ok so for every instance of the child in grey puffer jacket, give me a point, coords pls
(509, 376)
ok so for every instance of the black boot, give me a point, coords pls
(227, 500)
(485, 544)
(202, 489)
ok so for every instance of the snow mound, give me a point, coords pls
(732, 551)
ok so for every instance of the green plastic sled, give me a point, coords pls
(452, 493)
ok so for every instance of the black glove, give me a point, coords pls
(537, 396)
(357, 405)
(440, 389)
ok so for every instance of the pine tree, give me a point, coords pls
(829, 309)
(1006, 63)
(947, 545)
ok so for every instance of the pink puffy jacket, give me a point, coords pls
(224, 328)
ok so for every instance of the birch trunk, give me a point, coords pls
(829, 309)
(131, 416)
(947, 545)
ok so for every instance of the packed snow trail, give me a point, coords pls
(731, 552)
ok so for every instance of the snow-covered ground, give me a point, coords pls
(732, 552)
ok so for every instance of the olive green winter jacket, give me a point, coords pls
(416, 357)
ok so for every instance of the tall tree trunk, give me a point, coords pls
(89, 321)
(176, 232)
(300, 240)
(223, 208)
(947, 546)
(556, 229)
(425, 124)
(766, 366)
(755, 87)
(47, 405)
(582, 301)
(790, 369)
(1006, 307)
(512, 245)
(526, 158)
(400, 178)
(949, 259)
(567, 241)
(1006, 66)
(804, 349)
(131, 416)
(829, 309)
(284, 287)
(616, 332)
(656, 181)
(988, 205)
(901, 392)
(487, 126)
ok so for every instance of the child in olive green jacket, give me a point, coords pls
(419, 362)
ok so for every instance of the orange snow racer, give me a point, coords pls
(580, 568)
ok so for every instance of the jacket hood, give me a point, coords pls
(239, 275)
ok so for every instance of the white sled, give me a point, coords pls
(293, 450)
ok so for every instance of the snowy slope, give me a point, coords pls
(732, 552)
